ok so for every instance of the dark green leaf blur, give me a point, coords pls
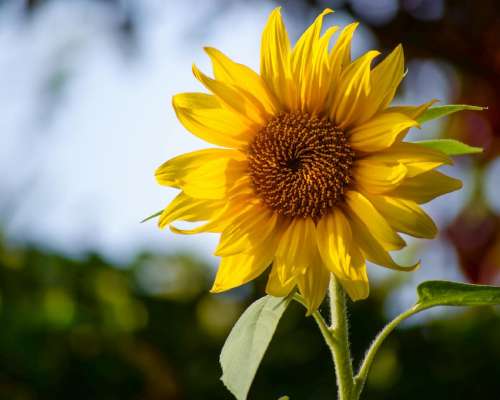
(89, 330)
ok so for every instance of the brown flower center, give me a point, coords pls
(300, 164)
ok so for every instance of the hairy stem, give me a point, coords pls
(360, 379)
(339, 331)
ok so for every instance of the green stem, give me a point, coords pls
(360, 379)
(323, 327)
(336, 337)
(340, 344)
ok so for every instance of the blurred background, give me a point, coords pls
(95, 305)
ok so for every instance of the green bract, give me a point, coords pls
(156, 214)
(450, 147)
(442, 111)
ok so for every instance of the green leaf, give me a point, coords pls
(247, 343)
(156, 214)
(450, 147)
(441, 111)
(444, 293)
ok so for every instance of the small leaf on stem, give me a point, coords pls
(443, 293)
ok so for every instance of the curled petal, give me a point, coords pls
(249, 109)
(185, 208)
(239, 75)
(372, 250)
(238, 203)
(205, 174)
(405, 216)
(360, 207)
(202, 115)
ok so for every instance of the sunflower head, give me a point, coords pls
(311, 175)
(299, 164)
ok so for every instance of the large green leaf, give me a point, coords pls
(441, 111)
(247, 343)
(443, 293)
(450, 147)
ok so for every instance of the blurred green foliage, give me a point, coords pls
(84, 329)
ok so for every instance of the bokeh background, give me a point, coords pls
(95, 305)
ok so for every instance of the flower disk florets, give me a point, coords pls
(300, 164)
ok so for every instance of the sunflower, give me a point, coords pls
(311, 176)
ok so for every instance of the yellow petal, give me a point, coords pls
(203, 116)
(416, 158)
(304, 54)
(320, 78)
(239, 75)
(340, 254)
(352, 91)
(385, 79)
(412, 111)
(205, 174)
(185, 208)
(246, 232)
(405, 216)
(275, 61)
(372, 249)
(232, 208)
(313, 284)
(334, 243)
(296, 249)
(375, 223)
(213, 180)
(340, 55)
(239, 269)
(378, 177)
(237, 100)
(356, 284)
(380, 132)
(425, 187)
(274, 286)
(172, 172)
